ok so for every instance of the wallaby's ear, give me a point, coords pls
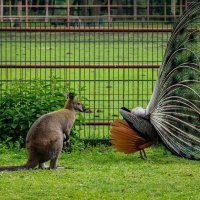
(70, 96)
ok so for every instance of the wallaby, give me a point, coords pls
(44, 140)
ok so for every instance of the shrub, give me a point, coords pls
(25, 102)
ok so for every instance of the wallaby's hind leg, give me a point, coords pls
(31, 164)
(32, 159)
(53, 163)
(55, 147)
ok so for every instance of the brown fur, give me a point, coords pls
(44, 140)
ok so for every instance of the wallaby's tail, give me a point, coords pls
(21, 167)
(12, 168)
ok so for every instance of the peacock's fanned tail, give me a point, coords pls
(173, 113)
(174, 108)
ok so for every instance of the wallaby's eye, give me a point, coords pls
(78, 104)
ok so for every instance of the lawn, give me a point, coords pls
(103, 173)
(82, 47)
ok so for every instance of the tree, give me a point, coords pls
(96, 10)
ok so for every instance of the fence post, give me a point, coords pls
(1, 10)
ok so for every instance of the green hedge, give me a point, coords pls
(24, 101)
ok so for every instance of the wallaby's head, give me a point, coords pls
(73, 104)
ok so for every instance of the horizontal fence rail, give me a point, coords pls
(108, 67)
(86, 29)
(13, 65)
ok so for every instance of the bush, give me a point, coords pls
(25, 102)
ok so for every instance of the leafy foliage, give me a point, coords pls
(24, 102)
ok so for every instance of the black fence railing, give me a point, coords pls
(110, 67)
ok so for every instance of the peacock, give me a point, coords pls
(172, 116)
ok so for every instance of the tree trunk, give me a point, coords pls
(46, 10)
(1, 10)
(96, 10)
(135, 9)
(84, 10)
(173, 9)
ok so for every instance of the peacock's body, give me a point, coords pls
(173, 113)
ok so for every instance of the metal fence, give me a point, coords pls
(110, 66)
(106, 10)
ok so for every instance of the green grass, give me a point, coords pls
(84, 48)
(103, 173)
